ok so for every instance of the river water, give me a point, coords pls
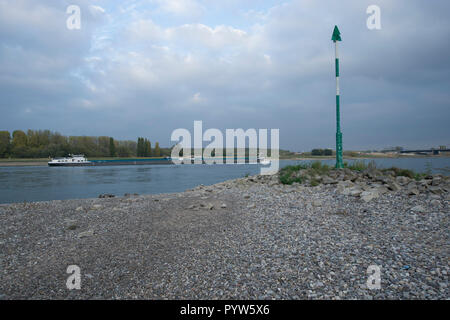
(19, 184)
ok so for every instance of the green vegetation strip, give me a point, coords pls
(288, 175)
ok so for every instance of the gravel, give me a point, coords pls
(250, 238)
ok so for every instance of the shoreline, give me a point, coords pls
(248, 238)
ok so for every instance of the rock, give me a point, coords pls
(289, 190)
(70, 224)
(328, 180)
(382, 190)
(350, 176)
(355, 192)
(342, 185)
(418, 209)
(317, 203)
(435, 189)
(436, 181)
(435, 203)
(402, 180)
(341, 212)
(85, 234)
(367, 196)
(412, 189)
(425, 182)
(106, 195)
(394, 186)
(389, 173)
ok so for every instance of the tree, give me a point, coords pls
(5, 143)
(147, 148)
(104, 146)
(19, 138)
(123, 151)
(157, 150)
(112, 147)
(140, 147)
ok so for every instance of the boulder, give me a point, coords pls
(412, 189)
(402, 180)
(435, 190)
(328, 180)
(436, 181)
(344, 184)
(394, 186)
(367, 196)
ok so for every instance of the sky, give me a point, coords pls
(147, 67)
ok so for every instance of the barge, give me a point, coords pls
(81, 160)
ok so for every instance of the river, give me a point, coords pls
(20, 184)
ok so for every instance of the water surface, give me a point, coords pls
(19, 184)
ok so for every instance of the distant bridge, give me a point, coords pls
(433, 151)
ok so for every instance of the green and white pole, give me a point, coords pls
(339, 164)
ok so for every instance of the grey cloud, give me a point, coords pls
(148, 79)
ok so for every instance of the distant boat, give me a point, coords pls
(72, 160)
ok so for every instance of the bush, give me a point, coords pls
(358, 165)
(288, 174)
(403, 172)
(319, 167)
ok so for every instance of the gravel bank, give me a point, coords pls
(249, 238)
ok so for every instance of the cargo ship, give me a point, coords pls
(71, 161)
(81, 160)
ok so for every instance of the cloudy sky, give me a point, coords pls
(147, 67)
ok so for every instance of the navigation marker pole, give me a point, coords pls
(339, 164)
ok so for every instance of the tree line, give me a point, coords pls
(44, 144)
(321, 152)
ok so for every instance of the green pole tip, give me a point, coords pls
(336, 34)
